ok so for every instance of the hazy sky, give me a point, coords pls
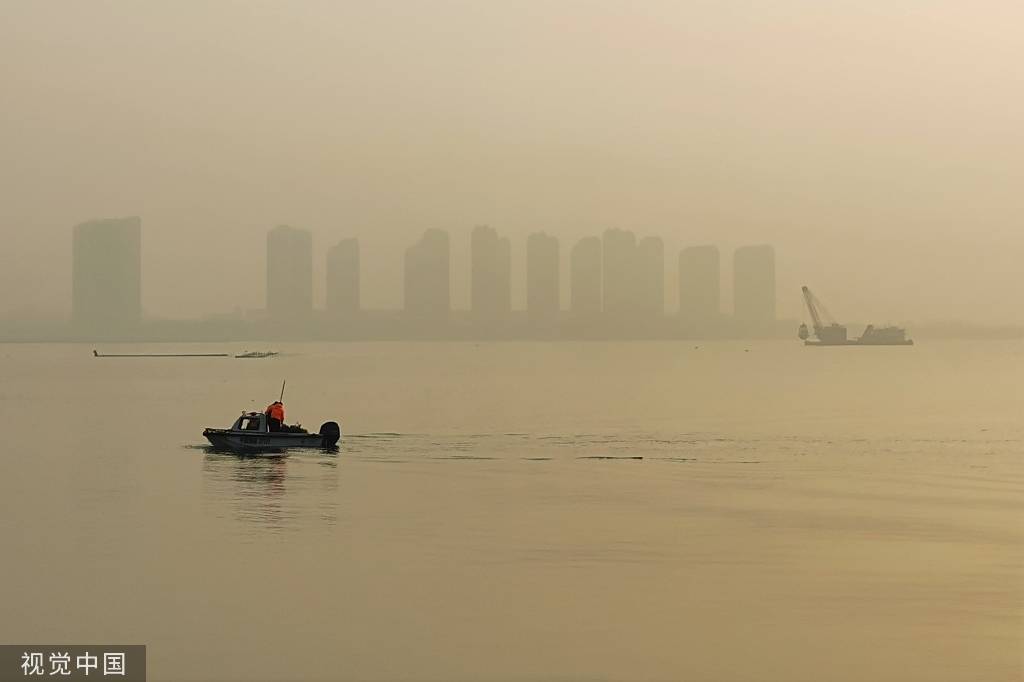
(878, 145)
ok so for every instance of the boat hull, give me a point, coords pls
(858, 342)
(240, 441)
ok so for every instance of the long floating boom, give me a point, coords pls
(97, 354)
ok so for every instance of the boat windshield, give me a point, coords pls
(250, 424)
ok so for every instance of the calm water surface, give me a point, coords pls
(653, 511)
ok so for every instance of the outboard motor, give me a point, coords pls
(330, 434)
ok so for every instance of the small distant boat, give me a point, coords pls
(251, 434)
(257, 354)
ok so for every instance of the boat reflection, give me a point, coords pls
(277, 493)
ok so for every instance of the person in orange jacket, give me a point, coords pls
(275, 415)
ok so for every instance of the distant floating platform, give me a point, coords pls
(257, 354)
(97, 354)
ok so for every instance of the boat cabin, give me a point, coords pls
(251, 421)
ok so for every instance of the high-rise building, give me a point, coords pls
(289, 273)
(650, 276)
(343, 277)
(491, 273)
(106, 290)
(428, 276)
(754, 285)
(620, 274)
(543, 290)
(585, 277)
(699, 284)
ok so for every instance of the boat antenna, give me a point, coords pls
(281, 399)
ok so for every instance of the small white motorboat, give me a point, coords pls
(251, 434)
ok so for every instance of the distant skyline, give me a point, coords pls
(161, 296)
(616, 292)
(877, 147)
(617, 287)
(461, 271)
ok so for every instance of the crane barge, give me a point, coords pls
(828, 332)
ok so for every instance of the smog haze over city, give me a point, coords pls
(877, 148)
(501, 340)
